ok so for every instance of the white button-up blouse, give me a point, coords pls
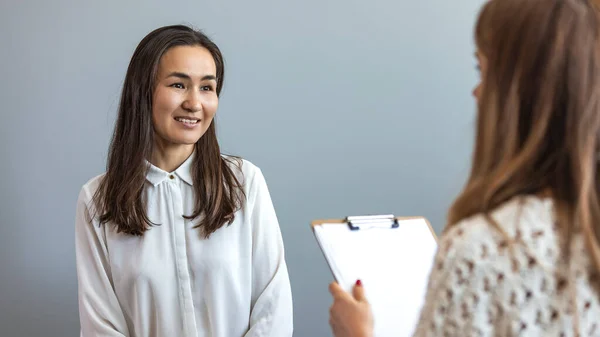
(171, 282)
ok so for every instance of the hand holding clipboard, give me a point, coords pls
(392, 256)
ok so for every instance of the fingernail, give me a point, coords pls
(358, 282)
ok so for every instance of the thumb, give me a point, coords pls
(359, 292)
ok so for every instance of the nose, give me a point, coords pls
(192, 102)
(476, 91)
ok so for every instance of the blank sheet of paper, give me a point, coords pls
(393, 264)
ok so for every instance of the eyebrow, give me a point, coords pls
(188, 77)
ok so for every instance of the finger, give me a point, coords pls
(335, 290)
(334, 329)
(359, 292)
(331, 318)
(334, 326)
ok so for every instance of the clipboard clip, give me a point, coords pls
(372, 221)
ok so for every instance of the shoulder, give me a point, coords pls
(514, 247)
(516, 236)
(518, 219)
(248, 168)
(240, 165)
(486, 265)
(246, 171)
(251, 179)
(88, 190)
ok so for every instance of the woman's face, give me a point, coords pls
(482, 67)
(185, 99)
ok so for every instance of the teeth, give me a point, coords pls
(188, 121)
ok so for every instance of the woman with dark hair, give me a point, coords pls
(176, 239)
(520, 255)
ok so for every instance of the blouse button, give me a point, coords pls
(172, 176)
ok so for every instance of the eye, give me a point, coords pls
(207, 88)
(177, 85)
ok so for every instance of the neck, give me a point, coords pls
(169, 157)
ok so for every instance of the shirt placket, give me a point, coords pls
(181, 259)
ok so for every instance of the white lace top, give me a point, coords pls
(481, 286)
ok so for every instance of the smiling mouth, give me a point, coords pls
(187, 120)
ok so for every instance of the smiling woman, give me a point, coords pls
(176, 239)
(185, 100)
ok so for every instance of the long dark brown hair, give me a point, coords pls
(119, 198)
(538, 122)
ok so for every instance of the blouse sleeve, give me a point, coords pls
(271, 313)
(99, 310)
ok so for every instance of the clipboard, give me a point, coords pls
(392, 256)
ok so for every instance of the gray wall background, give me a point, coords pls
(349, 107)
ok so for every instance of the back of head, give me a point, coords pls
(538, 122)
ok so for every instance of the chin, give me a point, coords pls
(188, 141)
(181, 138)
(187, 138)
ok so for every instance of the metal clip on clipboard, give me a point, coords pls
(372, 221)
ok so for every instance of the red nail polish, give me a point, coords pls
(358, 282)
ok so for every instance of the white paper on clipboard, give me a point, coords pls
(393, 264)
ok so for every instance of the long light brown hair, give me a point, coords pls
(538, 123)
(218, 193)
